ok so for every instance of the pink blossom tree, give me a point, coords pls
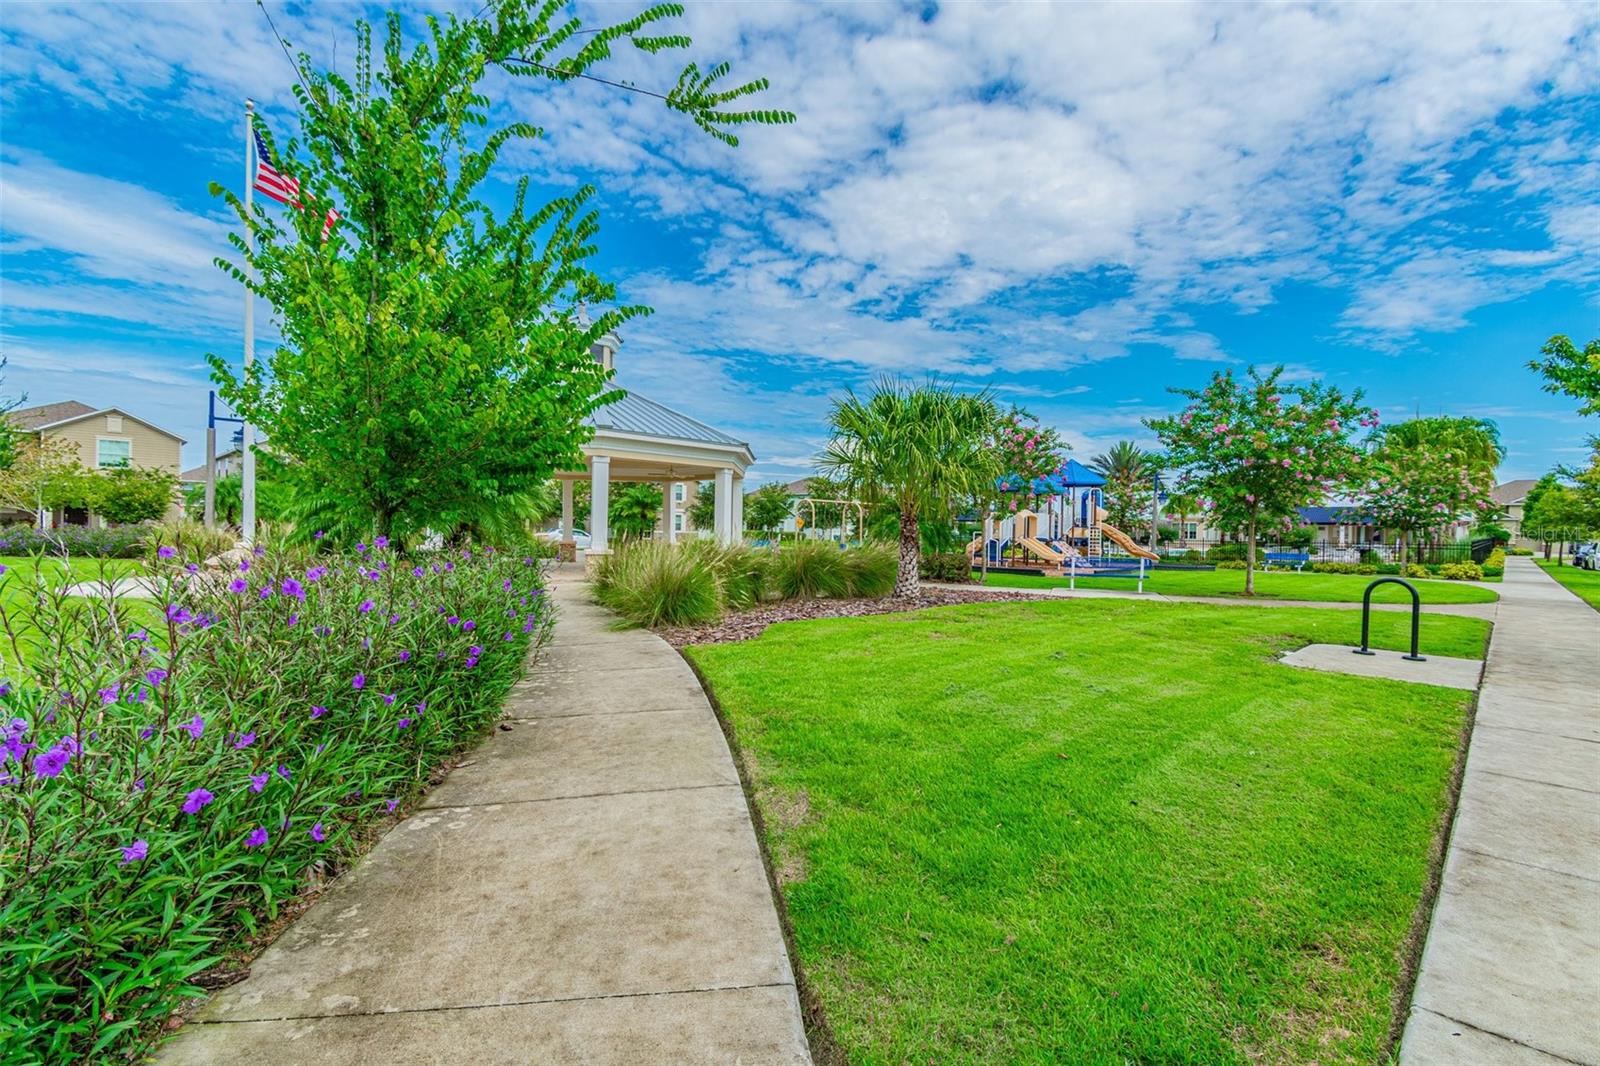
(1253, 450)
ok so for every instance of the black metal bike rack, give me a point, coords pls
(1416, 616)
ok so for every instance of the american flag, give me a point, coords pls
(280, 186)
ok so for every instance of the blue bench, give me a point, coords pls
(1294, 559)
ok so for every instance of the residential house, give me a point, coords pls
(1510, 499)
(105, 438)
(229, 463)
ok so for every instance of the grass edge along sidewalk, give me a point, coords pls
(1270, 585)
(1109, 829)
(1584, 584)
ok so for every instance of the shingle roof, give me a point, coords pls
(44, 414)
(635, 414)
(1512, 491)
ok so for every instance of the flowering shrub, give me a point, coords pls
(1461, 572)
(163, 787)
(113, 542)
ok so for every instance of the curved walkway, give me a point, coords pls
(587, 888)
(1511, 970)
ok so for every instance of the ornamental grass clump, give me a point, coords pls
(810, 569)
(652, 583)
(172, 771)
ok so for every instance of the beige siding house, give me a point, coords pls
(105, 437)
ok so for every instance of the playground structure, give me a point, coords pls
(1066, 536)
(852, 513)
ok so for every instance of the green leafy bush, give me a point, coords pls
(1232, 564)
(1221, 553)
(653, 583)
(1496, 561)
(113, 542)
(808, 570)
(165, 788)
(942, 566)
(1416, 570)
(1461, 572)
(1366, 568)
(1519, 551)
(1337, 568)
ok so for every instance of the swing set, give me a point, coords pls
(858, 527)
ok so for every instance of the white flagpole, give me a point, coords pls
(247, 493)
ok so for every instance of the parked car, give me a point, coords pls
(1587, 556)
(579, 537)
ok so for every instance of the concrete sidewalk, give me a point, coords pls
(1511, 970)
(587, 888)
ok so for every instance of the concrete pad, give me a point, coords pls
(745, 1025)
(1514, 949)
(1433, 1040)
(549, 758)
(1530, 822)
(574, 659)
(1500, 706)
(602, 692)
(1547, 757)
(1390, 665)
(473, 906)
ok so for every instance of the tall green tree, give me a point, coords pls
(1255, 449)
(432, 358)
(767, 508)
(1128, 470)
(1570, 372)
(1422, 474)
(703, 511)
(921, 448)
(634, 508)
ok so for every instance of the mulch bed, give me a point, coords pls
(745, 625)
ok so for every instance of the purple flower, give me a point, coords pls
(266, 592)
(468, 626)
(283, 771)
(166, 551)
(319, 534)
(155, 677)
(244, 566)
(147, 732)
(316, 573)
(135, 852)
(291, 587)
(140, 696)
(52, 762)
(318, 712)
(422, 707)
(388, 699)
(294, 620)
(359, 681)
(475, 651)
(238, 585)
(505, 586)
(177, 614)
(194, 727)
(380, 542)
(393, 618)
(108, 696)
(361, 549)
(195, 800)
(453, 620)
(244, 740)
(257, 837)
(317, 834)
(138, 784)
(507, 638)
(259, 781)
(366, 605)
(392, 804)
(404, 655)
(193, 568)
(405, 723)
(416, 571)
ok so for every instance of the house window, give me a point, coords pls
(1191, 530)
(677, 492)
(110, 451)
(677, 521)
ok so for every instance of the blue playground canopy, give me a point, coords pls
(1072, 476)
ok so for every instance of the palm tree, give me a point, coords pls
(1127, 469)
(917, 448)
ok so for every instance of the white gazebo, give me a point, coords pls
(637, 439)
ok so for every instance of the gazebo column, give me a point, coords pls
(599, 505)
(568, 550)
(667, 533)
(736, 532)
(722, 511)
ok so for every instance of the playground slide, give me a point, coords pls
(1045, 551)
(1125, 542)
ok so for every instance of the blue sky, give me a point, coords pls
(1075, 205)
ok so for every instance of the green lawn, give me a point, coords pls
(1097, 832)
(1270, 585)
(1583, 583)
(17, 583)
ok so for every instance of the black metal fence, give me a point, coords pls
(1434, 554)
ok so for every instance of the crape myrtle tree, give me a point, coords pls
(433, 362)
(919, 448)
(1425, 473)
(1024, 451)
(1253, 450)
